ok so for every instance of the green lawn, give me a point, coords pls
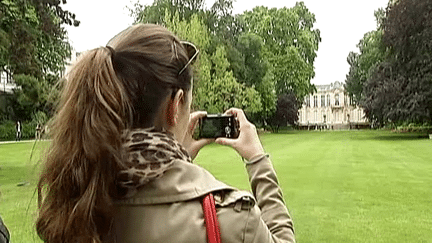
(18, 177)
(348, 186)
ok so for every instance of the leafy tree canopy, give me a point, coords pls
(392, 75)
(286, 111)
(290, 45)
(363, 65)
(244, 60)
(33, 41)
(33, 49)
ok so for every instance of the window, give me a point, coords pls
(323, 104)
(308, 101)
(315, 101)
(328, 99)
(336, 99)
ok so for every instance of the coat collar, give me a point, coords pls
(181, 182)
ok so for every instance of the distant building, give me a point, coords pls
(6, 89)
(331, 108)
(6, 83)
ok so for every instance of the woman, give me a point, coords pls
(119, 168)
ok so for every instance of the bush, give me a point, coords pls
(412, 127)
(29, 130)
(39, 117)
(8, 132)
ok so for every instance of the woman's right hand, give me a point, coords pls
(247, 144)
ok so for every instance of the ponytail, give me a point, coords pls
(78, 180)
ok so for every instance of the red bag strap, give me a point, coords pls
(210, 219)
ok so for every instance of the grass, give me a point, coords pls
(354, 186)
(18, 177)
(347, 186)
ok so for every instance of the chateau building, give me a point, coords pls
(331, 108)
(6, 83)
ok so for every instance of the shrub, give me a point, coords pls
(412, 127)
(8, 132)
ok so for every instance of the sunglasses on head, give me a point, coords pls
(192, 53)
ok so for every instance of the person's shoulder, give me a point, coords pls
(234, 198)
(238, 214)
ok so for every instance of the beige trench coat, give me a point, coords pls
(169, 208)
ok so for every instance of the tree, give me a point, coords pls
(224, 92)
(290, 45)
(286, 111)
(240, 64)
(225, 27)
(400, 89)
(252, 69)
(215, 87)
(34, 45)
(196, 32)
(255, 66)
(363, 65)
(33, 39)
(26, 99)
(155, 13)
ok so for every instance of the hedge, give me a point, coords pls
(424, 128)
(8, 131)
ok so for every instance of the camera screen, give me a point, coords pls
(212, 128)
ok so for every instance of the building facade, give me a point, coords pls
(331, 108)
(6, 83)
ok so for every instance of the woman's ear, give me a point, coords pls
(174, 107)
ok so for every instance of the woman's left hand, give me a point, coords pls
(191, 145)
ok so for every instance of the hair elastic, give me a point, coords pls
(112, 51)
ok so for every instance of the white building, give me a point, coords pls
(6, 83)
(331, 108)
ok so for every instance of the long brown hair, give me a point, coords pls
(110, 89)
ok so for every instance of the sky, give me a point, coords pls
(342, 24)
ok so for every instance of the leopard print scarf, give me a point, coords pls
(149, 153)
